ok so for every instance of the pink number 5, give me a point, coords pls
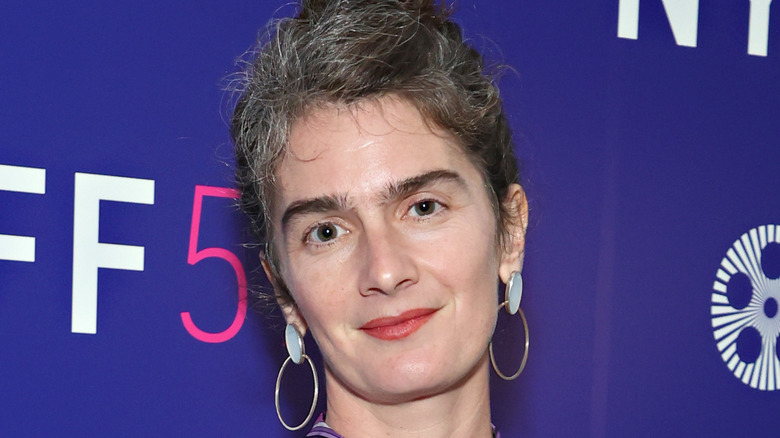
(194, 256)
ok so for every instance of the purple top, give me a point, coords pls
(321, 429)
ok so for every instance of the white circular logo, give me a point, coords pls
(745, 317)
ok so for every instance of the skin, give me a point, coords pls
(379, 214)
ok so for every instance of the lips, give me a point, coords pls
(398, 327)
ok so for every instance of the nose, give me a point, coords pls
(387, 263)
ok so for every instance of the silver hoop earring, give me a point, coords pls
(512, 296)
(297, 354)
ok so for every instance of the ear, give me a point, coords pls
(513, 252)
(292, 314)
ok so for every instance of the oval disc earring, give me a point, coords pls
(514, 292)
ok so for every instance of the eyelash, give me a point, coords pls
(437, 205)
(307, 235)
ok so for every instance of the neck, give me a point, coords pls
(462, 411)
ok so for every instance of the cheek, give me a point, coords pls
(322, 295)
(319, 301)
(477, 266)
(466, 262)
(467, 250)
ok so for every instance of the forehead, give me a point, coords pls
(333, 127)
(358, 150)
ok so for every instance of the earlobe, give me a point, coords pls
(516, 206)
(290, 311)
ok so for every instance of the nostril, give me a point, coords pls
(370, 291)
(404, 284)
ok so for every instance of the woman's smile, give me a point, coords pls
(390, 328)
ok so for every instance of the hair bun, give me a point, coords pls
(425, 9)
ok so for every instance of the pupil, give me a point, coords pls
(424, 206)
(326, 232)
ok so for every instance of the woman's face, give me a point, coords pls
(387, 242)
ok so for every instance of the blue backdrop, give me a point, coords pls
(649, 137)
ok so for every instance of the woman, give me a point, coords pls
(375, 160)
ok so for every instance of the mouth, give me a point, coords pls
(397, 327)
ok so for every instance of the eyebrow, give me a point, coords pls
(408, 186)
(394, 190)
(320, 204)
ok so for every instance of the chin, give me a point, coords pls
(415, 380)
(403, 392)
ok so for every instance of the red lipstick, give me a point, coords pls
(396, 327)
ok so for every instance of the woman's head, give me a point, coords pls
(344, 54)
(387, 241)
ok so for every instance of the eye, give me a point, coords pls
(425, 208)
(325, 232)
